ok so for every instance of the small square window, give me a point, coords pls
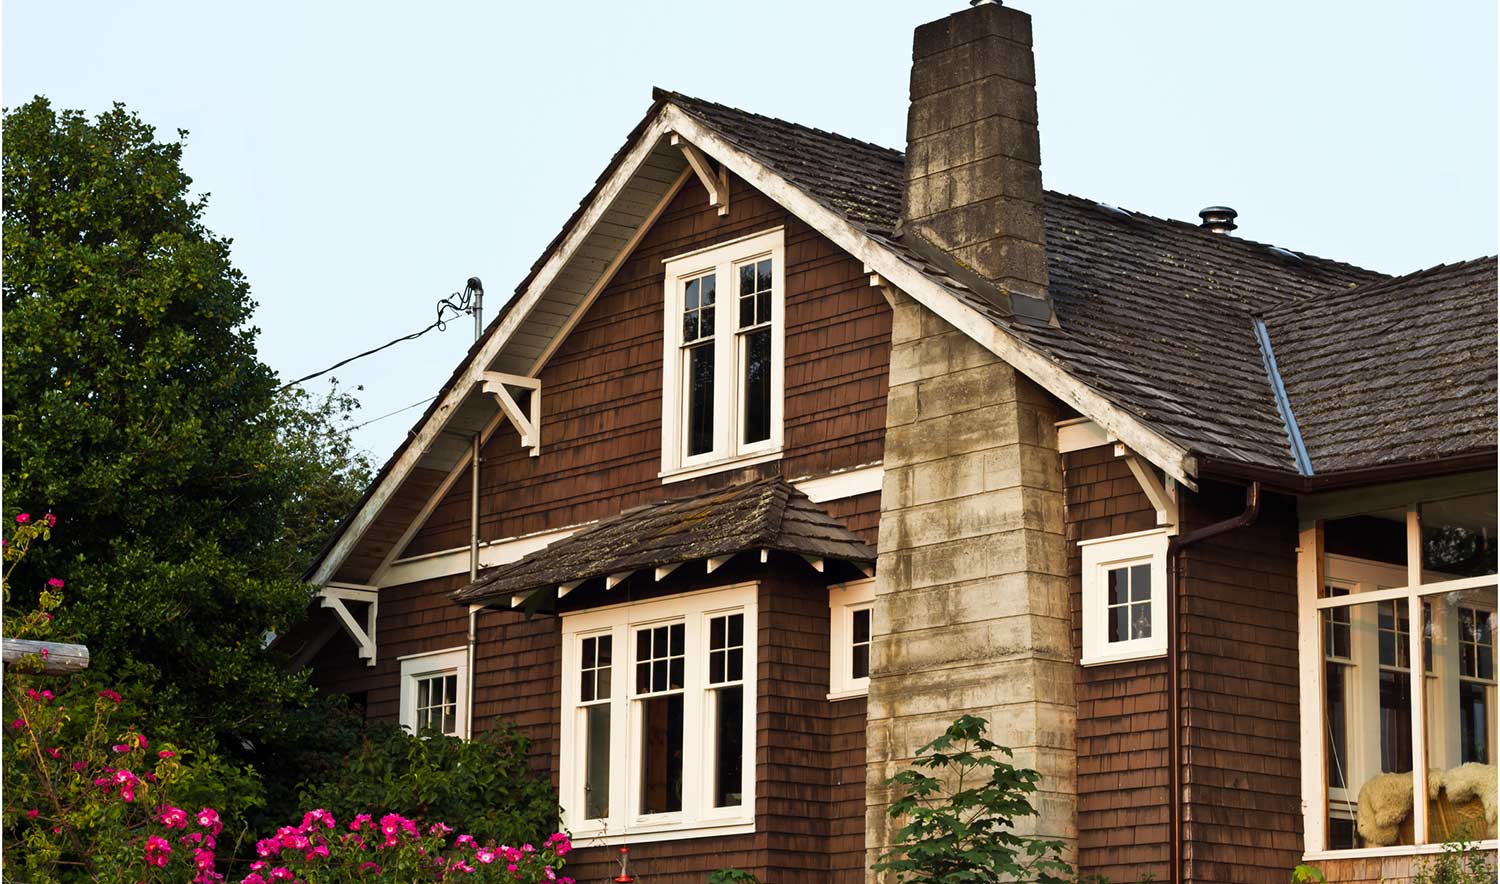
(1124, 597)
(434, 693)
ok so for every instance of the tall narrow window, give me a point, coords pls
(659, 666)
(722, 354)
(698, 362)
(595, 690)
(859, 662)
(726, 673)
(1476, 671)
(1394, 628)
(755, 350)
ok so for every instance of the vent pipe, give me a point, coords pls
(1218, 219)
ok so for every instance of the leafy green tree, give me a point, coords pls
(137, 411)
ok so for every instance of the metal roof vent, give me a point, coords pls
(1219, 219)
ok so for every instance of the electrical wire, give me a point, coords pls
(458, 303)
(386, 415)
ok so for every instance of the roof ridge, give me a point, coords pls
(1320, 299)
(660, 94)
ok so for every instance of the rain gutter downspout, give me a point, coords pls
(473, 637)
(1175, 546)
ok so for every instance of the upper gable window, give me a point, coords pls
(723, 351)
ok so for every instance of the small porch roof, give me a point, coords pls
(768, 514)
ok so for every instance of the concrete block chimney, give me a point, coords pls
(973, 161)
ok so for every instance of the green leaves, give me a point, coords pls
(190, 494)
(958, 822)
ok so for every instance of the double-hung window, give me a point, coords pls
(658, 716)
(722, 356)
(851, 607)
(1124, 597)
(1398, 616)
(434, 693)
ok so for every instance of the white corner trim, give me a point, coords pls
(1170, 457)
(1079, 434)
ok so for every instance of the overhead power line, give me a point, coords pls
(387, 414)
(457, 304)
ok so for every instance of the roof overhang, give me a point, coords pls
(634, 189)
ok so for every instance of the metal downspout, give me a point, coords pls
(473, 636)
(1175, 546)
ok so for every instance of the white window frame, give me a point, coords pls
(1369, 582)
(843, 600)
(728, 451)
(427, 665)
(1120, 551)
(698, 816)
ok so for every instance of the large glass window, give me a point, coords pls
(722, 398)
(665, 745)
(1406, 673)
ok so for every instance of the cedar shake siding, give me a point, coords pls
(601, 390)
(1242, 773)
(1241, 769)
(1123, 785)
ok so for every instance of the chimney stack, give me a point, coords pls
(973, 160)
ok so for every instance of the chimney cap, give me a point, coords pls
(1218, 219)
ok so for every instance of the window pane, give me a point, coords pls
(602, 684)
(709, 283)
(596, 763)
(1459, 702)
(1458, 537)
(736, 665)
(1119, 623)
(590, 654)
(737, 630)
(1140, 620)
(586, 686)
(747, 279)
(861, 661)
(1366, 731)
(424, 691)
(1119, 586)
(757, 386)
(606, 650)
(690, 295)
(862, 625)
(661, 754)
(747, 311)
(700, 382)
(729, 745)
(1140, 583)
(716, 667)
(763, 275)
(717, 632)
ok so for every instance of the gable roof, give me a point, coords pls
(1156, 339)
(769, 514)
(1400, 370)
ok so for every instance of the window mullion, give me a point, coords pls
(1416, 672)
(726, 370)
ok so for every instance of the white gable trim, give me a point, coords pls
(1171, 458)
(891, 268)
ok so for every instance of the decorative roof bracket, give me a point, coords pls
(1163, 497)
(334, 597)
(528, 423)
(716, 185)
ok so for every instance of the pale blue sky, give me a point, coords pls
(368, 157)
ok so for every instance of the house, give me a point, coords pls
(790, 449)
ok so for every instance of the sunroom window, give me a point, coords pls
(670, 748)
(1404, 622)
(722, 371)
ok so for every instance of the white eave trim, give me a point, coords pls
(1170, 457)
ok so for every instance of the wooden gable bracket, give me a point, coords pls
(334, 596)
(529, 424)
(716, 185)
(1163, 497)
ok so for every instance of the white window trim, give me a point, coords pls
(698, 817)
(1102, 554)
(728, 452)
(415, 666)
(843, 600)
(1315, 569)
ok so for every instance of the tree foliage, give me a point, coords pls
(958, 822)
(137, 410)
(482, 786)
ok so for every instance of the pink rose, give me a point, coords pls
(23, 518)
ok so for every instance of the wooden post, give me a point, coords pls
(58, 659)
